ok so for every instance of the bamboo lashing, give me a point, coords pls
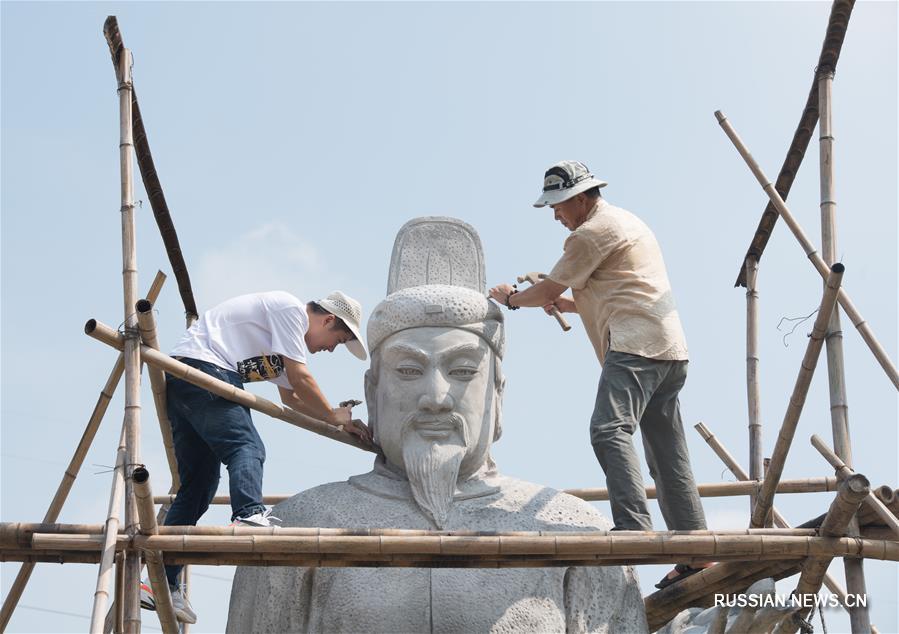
(858, 321)
(71, 472)
(753, 391)
(110, 533)
(853, 490)
(147, 324)
(797, 399)
(156, 571)
(110, 337)
(779, 520)
(844, 471)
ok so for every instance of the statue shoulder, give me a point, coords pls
(555, 509)
(315, 506)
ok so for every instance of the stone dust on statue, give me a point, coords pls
(434, 395)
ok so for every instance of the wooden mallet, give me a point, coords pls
(533, 278)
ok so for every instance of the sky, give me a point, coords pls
(293, 140)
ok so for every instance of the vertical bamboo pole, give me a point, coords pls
(156, 571)
(810, 251)
(118, 612)
(839, 409)
(132, 336)
(110, 534)
(752, 373)
(71, 472)
(797, 399)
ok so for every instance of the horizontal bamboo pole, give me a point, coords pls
(146, 512)
(71, 472)
(19, 535)
(711, 489)
(495, 546)
(102, 332)
(842, 470)
(779, 520)
(811, 252)
(765, 498)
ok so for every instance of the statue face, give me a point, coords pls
(435, 407)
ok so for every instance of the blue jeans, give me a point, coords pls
(208, 431)
(638, 392)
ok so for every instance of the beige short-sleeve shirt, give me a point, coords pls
(614, 267)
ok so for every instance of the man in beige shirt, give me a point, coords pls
(614, 267)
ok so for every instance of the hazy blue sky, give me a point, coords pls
(294, 139)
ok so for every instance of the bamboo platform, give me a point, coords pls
(861, 522)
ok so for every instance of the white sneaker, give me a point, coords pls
(183, 611)
(147, 599)
(257, 519)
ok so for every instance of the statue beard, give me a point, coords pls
(433, 450)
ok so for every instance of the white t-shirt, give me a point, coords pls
(249, 335)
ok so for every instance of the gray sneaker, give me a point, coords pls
(182, 607)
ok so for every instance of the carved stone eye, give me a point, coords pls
(463, 373)
(408, 371)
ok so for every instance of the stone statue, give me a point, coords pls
(434, 400)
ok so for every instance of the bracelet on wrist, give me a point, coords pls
(509, 300)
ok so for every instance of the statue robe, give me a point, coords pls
(560, 599)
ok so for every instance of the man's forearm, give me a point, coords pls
(308, 399)
(538, 295)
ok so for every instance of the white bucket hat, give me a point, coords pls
(350, 311)
(565, 180)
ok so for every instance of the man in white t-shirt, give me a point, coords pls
(256, 337)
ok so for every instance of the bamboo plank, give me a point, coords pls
(858, 321)
(765, 497)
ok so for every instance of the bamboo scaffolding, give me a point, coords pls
(118, 613)
(844, 471)
(110, 532)
(156, 571)
(839, 409)
(71, 472)
(146, 322)
(779, 520)
(886, 495)
(110, 337)
(753, 391)
(765, 497)
(858, 321)
(853, 490)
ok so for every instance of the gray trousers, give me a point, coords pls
(634, 391)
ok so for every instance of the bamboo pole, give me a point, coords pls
(839, 409)
(131, 347)
(753, 391)
(797, 400)
(886, 495)
(411, 548)
(147, 324)
(844, 471)
(118, 616)
(71, 472)
(110, 337)
(155, 569)
(858, 321)
(110, 533)
(779, 520)
(853, 490)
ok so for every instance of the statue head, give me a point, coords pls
(434, 387)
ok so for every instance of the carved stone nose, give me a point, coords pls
(436, 397)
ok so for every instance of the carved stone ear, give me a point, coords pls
(371, 402)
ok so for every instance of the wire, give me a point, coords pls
(798, 320)
(73, 614)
